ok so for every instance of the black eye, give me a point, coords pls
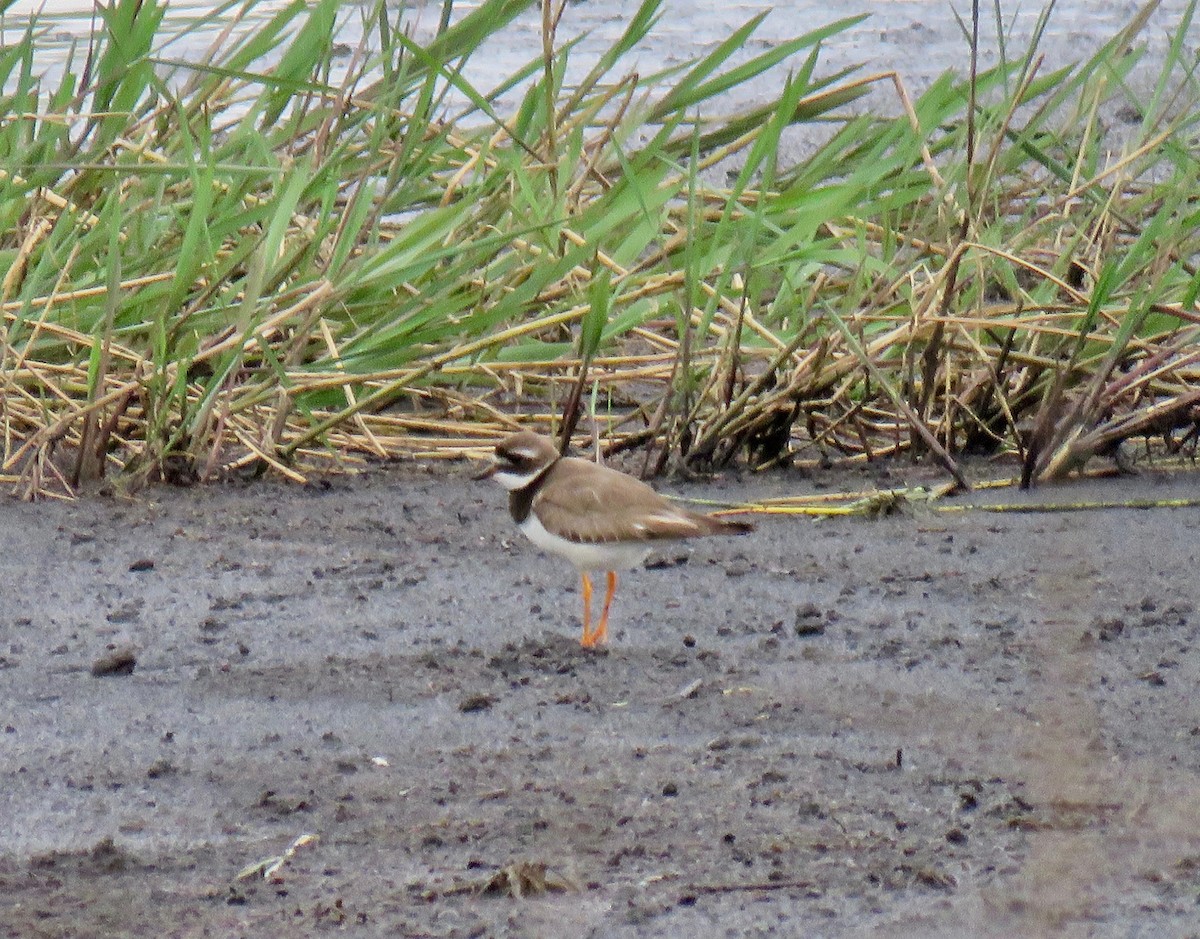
(518, 458)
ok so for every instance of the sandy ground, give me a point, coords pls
(922, 725)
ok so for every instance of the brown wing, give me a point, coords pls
(587, 502)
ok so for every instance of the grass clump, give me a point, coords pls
(294, 255)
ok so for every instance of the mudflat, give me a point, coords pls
(930, 724)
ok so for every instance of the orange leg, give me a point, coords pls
(601, 632)
(587, 641)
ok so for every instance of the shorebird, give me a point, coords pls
(597, 518)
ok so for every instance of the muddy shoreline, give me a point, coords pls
(836, 728)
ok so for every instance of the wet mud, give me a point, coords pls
(907, 726)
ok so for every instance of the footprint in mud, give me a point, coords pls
(550, 654)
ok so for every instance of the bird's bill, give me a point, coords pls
(488, 471)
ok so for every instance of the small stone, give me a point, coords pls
(660, 561)
(809, 620)
(160, 768)
(117, 660)
(476, 702)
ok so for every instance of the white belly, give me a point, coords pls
(600, 556)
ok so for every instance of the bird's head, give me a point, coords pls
(520, 459)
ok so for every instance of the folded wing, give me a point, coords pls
(602, 505)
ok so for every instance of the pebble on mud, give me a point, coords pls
(160, 768)
(476, 702)
(738, 567)
(809, 620)
(659, 560)
(116, 660)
